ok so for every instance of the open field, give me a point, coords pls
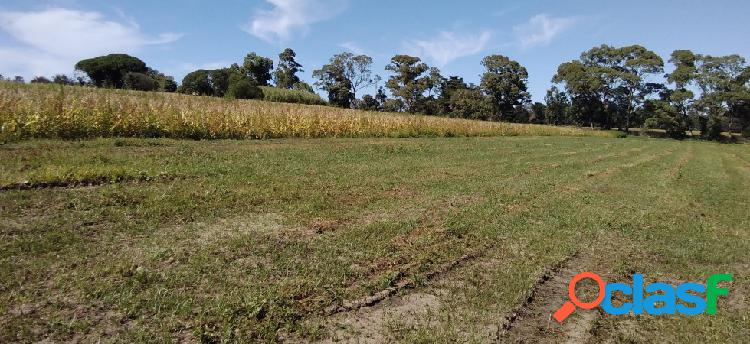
(51, 111)
(164, 240)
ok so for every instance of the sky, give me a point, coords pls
(179, 36)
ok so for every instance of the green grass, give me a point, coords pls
(255, 240)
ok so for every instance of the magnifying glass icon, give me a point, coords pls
(570, 306)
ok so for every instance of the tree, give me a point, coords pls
(19, 80)
(664, 116)
(684, 75)
(343, 76)
(504, 81)
(197, 83)
(721, 80)
(381, 98)
(40, 80)
(244, 89)
(393, 105)
(368, 103)
(109, 70)
(538, 113)
(609, 83)
(469, 103)
(408, 83)
(637, 62)
(556, 111)
(63, 79)
(164, 82)
(285, 75)
(258, 68)
(220, 81)
(139, 82)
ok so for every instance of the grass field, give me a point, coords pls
(159, 240)
(51, 111)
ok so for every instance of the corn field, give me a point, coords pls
(54, 111)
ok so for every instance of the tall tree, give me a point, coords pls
(409, 82)
(721, 80)
(683, 76)
(448, 87)
(557, 108)
(285, 75)
(343, 76)
(358, 69)
(504, 81)
(258, 68)
(585, 88)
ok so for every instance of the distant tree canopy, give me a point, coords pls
(40, 80)
(612, 87)
(606, 87)
(124, 71)
(110, 70)
(609, 83)
(251, 80)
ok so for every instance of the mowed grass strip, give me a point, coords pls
(262, 235)
(54, 111)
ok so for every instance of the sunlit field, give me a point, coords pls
(52, 111)
(406, 240)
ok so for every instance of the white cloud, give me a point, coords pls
(353, 48)
(541, 29)
(290, 16)
(448, 46)
(53, 40)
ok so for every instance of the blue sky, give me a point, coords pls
(175, 37)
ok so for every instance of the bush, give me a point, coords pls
(244, 89)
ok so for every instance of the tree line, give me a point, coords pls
(607, 87)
